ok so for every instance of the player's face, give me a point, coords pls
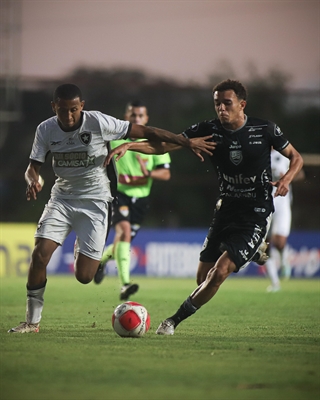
(137, 115)
(68, 113)
(229, 109)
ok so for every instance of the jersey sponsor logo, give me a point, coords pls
(250, 195)
(236, 156)
(71, 160)
(85, 138)
(53, 143)
(236, 179)
(70, 142)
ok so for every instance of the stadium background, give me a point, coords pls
(181, 208)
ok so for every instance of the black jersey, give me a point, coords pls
(242, 158)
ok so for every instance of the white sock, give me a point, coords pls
(34, 305)
(273, 272)
(284, 262)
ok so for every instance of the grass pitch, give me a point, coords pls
(244, 344)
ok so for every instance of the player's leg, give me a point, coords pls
(239, 243)
(90, 223)
(122, 250)
(120, 212)
(272, 269)
(85, 268)
(107, 255)
(216, 275)
(281, 225)
(280, 245)
(128, 224)
(52, 229)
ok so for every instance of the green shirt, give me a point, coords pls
(129, 171)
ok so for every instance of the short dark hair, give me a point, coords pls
(136, 103)
(67, 91)
(229, 84)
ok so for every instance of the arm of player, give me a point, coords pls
(33, 179)
(150, 147)
(160, 135)
(296, 163)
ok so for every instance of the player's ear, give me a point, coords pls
(243, 104)
(82, 104)
(53, 106)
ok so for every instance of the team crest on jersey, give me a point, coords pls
(278, 131)
(85, 138)
(236, 156)
(124, 210)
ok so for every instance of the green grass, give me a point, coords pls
(244, 344)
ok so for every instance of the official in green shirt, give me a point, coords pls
(136, 172)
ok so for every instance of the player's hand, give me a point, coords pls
(282, 187)
(202, 144)
(119, 152)
(33, 188)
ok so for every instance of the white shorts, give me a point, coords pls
(87, 218)
(281, 219)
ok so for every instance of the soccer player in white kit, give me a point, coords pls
(81, 196)
(280, 226)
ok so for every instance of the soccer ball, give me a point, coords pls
(130, 319)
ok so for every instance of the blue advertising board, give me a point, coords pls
(175, 253)
(154, 252)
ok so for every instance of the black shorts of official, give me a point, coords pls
(237, 230)
(131, 209)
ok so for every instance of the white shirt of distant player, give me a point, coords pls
(78, 156)
(281, 220)
(279, 166)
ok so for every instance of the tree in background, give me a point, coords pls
(174, 107)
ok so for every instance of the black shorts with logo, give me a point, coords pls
(238, 229)
(131, 209)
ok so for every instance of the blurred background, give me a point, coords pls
(169, 54)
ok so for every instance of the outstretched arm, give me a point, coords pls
(150, 147)
(296, 163)
(160, 135)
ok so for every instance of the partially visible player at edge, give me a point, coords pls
(136, 172)
(280, 226)
(81, 196)
(244, 208)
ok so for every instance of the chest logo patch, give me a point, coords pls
(236, 156)
(85, 138)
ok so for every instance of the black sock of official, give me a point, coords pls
(185, 310)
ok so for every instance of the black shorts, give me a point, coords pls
(237, 229)
(131, 209)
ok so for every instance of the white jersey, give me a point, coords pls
(281, 219)
(78, 156)
(279, 165)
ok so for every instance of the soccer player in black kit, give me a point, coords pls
(244, 207)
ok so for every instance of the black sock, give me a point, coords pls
(185, 310)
